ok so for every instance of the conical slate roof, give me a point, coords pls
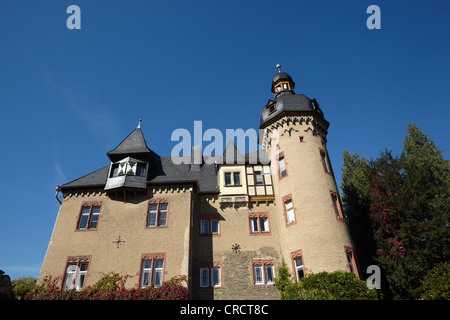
(133, 145)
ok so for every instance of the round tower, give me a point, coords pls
(313, 230)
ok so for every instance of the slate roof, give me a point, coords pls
(133, 145)
(165, 172)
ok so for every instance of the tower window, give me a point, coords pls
(325, 161)
(299, 272)
(336, 205)
(285, 86)
(282, 165)
(290, 215)
(351, 261)
(289, 210)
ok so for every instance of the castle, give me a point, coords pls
(227, 225)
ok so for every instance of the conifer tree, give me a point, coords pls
(398, 211)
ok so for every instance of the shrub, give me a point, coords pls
(23, 285)
(112, 287)
(338, 285)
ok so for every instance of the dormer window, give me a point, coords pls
(141, 169)
(114, 170)
(128, 167)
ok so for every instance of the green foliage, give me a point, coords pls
(398, 211)
(23, 285)
(109, 282)
(436, 285)
(284, 283)
(338, 285)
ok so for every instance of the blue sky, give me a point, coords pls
(69, 96)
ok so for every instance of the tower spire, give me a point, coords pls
(139, 125)
(278, 66)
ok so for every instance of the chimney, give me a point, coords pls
(196, 158)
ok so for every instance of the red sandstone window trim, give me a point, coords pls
(152, 257)
(263, 265)
(158, 202)
(325, 161)
(78, 261)
(256, 224)
(337, 207)
(295, 255)
(280, 157)
(90, 215)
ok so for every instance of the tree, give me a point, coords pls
(436, 285)
(402, 203)
(356, 203)
(23, 285)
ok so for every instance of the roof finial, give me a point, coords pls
(139, 125)
(278, 66)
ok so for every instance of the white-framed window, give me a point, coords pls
(75, 275)
(263, 274)
(157, 215)
(268, 273)
(216, 279)
(146, 275)
(299, 270)
(290, 215)
(152, 272)
(258, 274)
(158, 273)
(259, 224)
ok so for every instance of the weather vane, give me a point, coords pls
(278, 66)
